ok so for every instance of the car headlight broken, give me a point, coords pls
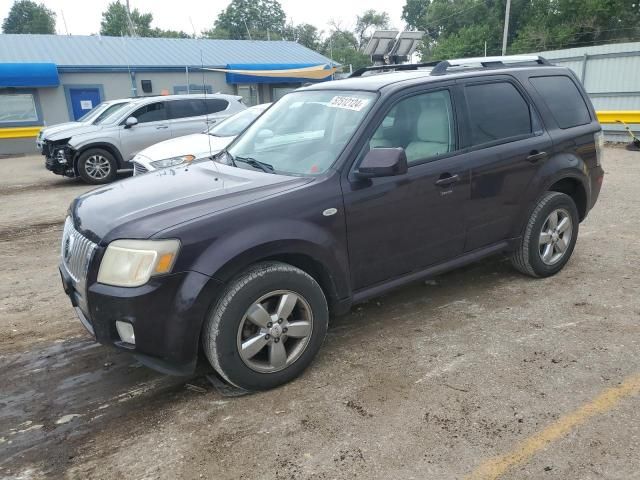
(173, 161)
(131, 263)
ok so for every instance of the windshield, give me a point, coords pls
(235, 124)
(108, 112)
(94, 112)
(304, 132)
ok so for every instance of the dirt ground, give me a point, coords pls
(482, 373)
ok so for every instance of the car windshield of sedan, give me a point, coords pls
(301, 134)
(235, 124)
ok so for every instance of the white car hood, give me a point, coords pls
(197, 144)
(72, 131)
(59, 127)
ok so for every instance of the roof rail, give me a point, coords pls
(402, 66)
(487, 62)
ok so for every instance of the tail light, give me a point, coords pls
(599, 141)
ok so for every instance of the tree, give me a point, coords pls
(255, 19)
(342, 47)
(367, 22)
(305, 34)
(115, 23)
(456, 28)
(26, 16)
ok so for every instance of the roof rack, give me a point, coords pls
(396, 67)
(441, 67)
(487, 62)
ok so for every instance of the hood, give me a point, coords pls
(143, 205)
(59, 127)
(78, 128)
(197, 144)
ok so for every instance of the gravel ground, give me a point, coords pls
(482, 373)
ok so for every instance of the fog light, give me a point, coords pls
(125, 330)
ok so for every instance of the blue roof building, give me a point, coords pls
(49, 79)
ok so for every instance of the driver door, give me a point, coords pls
(152, 127)
(401, 224)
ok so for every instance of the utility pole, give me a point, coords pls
(506, 28)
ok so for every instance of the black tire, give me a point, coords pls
(108, 166)
(222, 329)
(527, 258)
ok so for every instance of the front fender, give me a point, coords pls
(232, 253)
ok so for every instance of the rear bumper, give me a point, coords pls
(167, 315)
(596, 178)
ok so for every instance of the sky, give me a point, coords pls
(83, 16)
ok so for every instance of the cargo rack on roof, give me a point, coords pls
(441, 67)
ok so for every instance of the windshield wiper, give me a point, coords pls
(265, 167)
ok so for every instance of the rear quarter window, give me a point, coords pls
(562, 97)
(215, 105)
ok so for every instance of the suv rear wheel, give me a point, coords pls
(97, 166)
(267, 327)
(549, 237)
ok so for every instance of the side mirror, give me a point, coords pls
(383, 162)
(130, 122)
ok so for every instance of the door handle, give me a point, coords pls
(447, 179)
(162, 127)
(211, 121)
(535, 155)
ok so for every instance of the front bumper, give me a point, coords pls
(166, 314)
(58, 160)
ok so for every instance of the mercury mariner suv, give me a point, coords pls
(417, 169)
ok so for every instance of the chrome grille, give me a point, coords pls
(139, 169)
(76, 251)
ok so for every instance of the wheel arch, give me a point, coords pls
(109, 147)
(575, 189)
(300, 254)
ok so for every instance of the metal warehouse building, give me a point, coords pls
(49, 79)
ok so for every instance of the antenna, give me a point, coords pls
(64, 21)
(206, 109)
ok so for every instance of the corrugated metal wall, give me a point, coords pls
(611, 76)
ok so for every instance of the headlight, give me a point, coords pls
(131, 263)
(173, 161)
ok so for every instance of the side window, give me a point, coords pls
(564, 100)
(215, 105)
(192, 107)
(497, 111)
(422, 124)
(153, 112)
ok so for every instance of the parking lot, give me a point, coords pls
(479, 373)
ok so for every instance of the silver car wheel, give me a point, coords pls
(555, 236)
(275, 331)
(97, 167)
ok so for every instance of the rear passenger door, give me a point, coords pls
(401, 224)
(194, 115)
(505, 145)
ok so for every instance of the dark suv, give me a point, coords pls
(338, 193)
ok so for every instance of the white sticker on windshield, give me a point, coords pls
(349, 103)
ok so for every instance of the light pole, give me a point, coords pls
(506, 28)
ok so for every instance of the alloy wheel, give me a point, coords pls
(555, 236)
(275, 331)
(97, 167)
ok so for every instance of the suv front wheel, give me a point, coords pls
(97, 166)
(549, 237)
(267, 326)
